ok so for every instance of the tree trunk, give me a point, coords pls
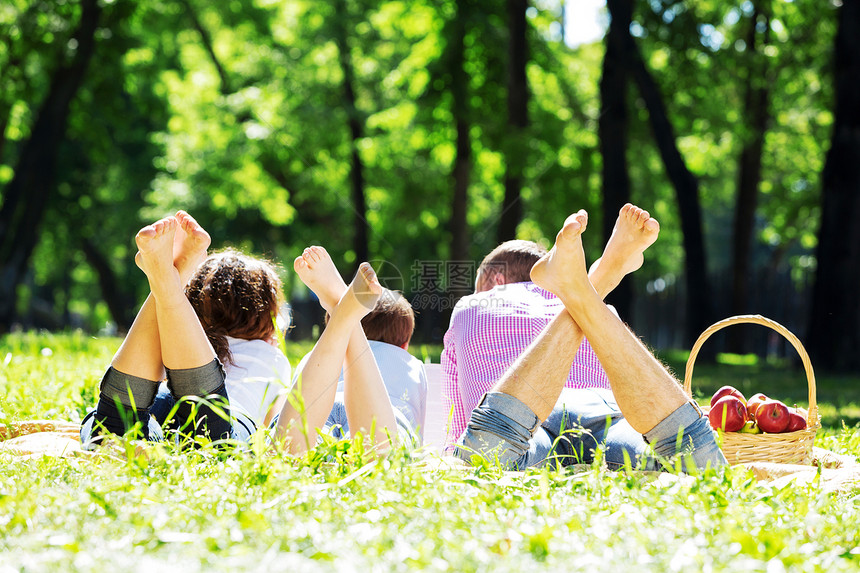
(749, 172)
(518, 118)
(356, 131)
(463, 161)
(699, 308)
(834, 332)
(206, 40)
(119, 302)
(29, 192)
(612, 130)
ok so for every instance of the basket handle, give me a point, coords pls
(812, 418)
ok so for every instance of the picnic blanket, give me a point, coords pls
(834, 472)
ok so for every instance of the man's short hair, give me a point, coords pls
(391, 321)
(513, 259)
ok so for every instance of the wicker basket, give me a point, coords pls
(790, 447)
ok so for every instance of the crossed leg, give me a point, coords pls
(650, 398)
(529, 392)
(539, 374)
(165, 334)
(342, 345)
(140, 352)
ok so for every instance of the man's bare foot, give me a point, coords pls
(562, 269)
(361, 295)
(155, 258)
(317, 271)
(189, 246)
(635, 230)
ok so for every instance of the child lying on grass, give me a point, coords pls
(214, 341)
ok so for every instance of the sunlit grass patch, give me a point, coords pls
(338, 508)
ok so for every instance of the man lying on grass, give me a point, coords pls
(230, 305)
(529, 416)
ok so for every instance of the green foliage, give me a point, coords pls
(700, 55)
(236, 111)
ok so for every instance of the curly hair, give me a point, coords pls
(235, 295)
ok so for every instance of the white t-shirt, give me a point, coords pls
(258, 373)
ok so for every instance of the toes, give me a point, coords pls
(186, 220)
(167, 224)
(574, 225)
(316, 253)
(300, 264)
(369, 276)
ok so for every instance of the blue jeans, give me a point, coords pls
(165, 401)
(126, 400)
(504, 428)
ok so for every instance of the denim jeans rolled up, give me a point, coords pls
(687, 433)
(125, 400)
(504, 428)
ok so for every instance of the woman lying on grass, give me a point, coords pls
(229, 304)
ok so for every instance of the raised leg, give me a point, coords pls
(365, 397)
(645, 391)
(140, 352)
(177, 320)
(321, 374)
(191, 362)
(137, 366)
(539, 374)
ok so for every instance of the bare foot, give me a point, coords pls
(635, 230)
(361, 295)
(563, 267)
(155, 258)
(317, 271)
(189, 246)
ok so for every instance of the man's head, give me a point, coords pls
(510, 262)
(391, 321)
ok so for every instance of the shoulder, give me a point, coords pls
(502, 300)
(384, 351)
(248, 352)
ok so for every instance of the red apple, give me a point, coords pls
(772, 416)
(796, 421)
(727, 391)
(728, 414)
(754, 402)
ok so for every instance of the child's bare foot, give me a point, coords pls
(361, 295)
(635, 230)
(317, 271)
(189, 246)
(155, 258)
(562, 269)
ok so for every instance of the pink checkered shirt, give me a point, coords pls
(488, 331)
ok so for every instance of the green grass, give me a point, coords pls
(237, 511)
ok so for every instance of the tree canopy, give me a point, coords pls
(425, 132)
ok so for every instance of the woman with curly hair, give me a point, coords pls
(208, 328)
